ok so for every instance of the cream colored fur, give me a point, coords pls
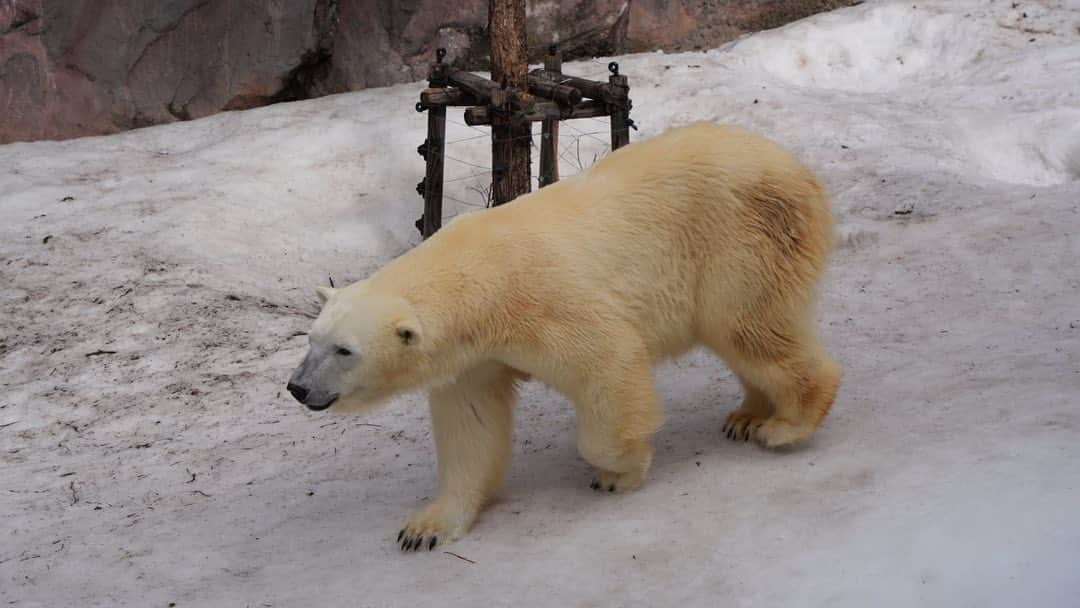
(705, 235)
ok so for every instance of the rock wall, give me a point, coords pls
(83, 67)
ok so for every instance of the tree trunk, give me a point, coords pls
(511, 138)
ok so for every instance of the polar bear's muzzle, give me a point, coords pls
(303, 395)
(310, 383)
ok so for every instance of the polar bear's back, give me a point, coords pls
(702, 178)
(698, 202)
(700, 219)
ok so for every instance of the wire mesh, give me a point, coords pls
(468, 172)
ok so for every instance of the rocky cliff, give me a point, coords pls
(82, 67)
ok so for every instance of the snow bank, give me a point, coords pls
(891, 46)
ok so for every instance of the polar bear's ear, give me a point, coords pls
(408, 331)
(324, 293)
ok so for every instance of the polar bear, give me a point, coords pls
(704, 235)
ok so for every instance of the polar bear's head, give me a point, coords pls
(364, 347)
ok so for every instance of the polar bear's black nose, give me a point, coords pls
(298, 391)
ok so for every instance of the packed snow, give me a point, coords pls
(157, 285)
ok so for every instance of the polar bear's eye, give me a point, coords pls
(344, 352)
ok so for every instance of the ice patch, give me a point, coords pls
(888, 47)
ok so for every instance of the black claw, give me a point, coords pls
(431, 545)
(400, 534)
(747, 438)
(404, 544)
(611, 488)
(595, 484)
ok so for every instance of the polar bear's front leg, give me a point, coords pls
(472, 421)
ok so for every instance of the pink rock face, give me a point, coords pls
(22, 74)
(85, 67)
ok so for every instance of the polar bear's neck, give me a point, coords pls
(454, 292)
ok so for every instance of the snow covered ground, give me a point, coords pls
(156, 285)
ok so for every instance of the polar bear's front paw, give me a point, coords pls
(741, 425)
(430, 526)
(606, 481)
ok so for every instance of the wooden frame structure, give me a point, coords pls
(551, 97)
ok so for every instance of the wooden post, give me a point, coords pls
(549, 134)
(510, 138)
(619, 107)
(433, 151)
(433, 177)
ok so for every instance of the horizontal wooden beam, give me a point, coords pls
(559, 93)
(541, 110)
(592, 89)
(446, 97)
(560, 88)
(484, 90)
